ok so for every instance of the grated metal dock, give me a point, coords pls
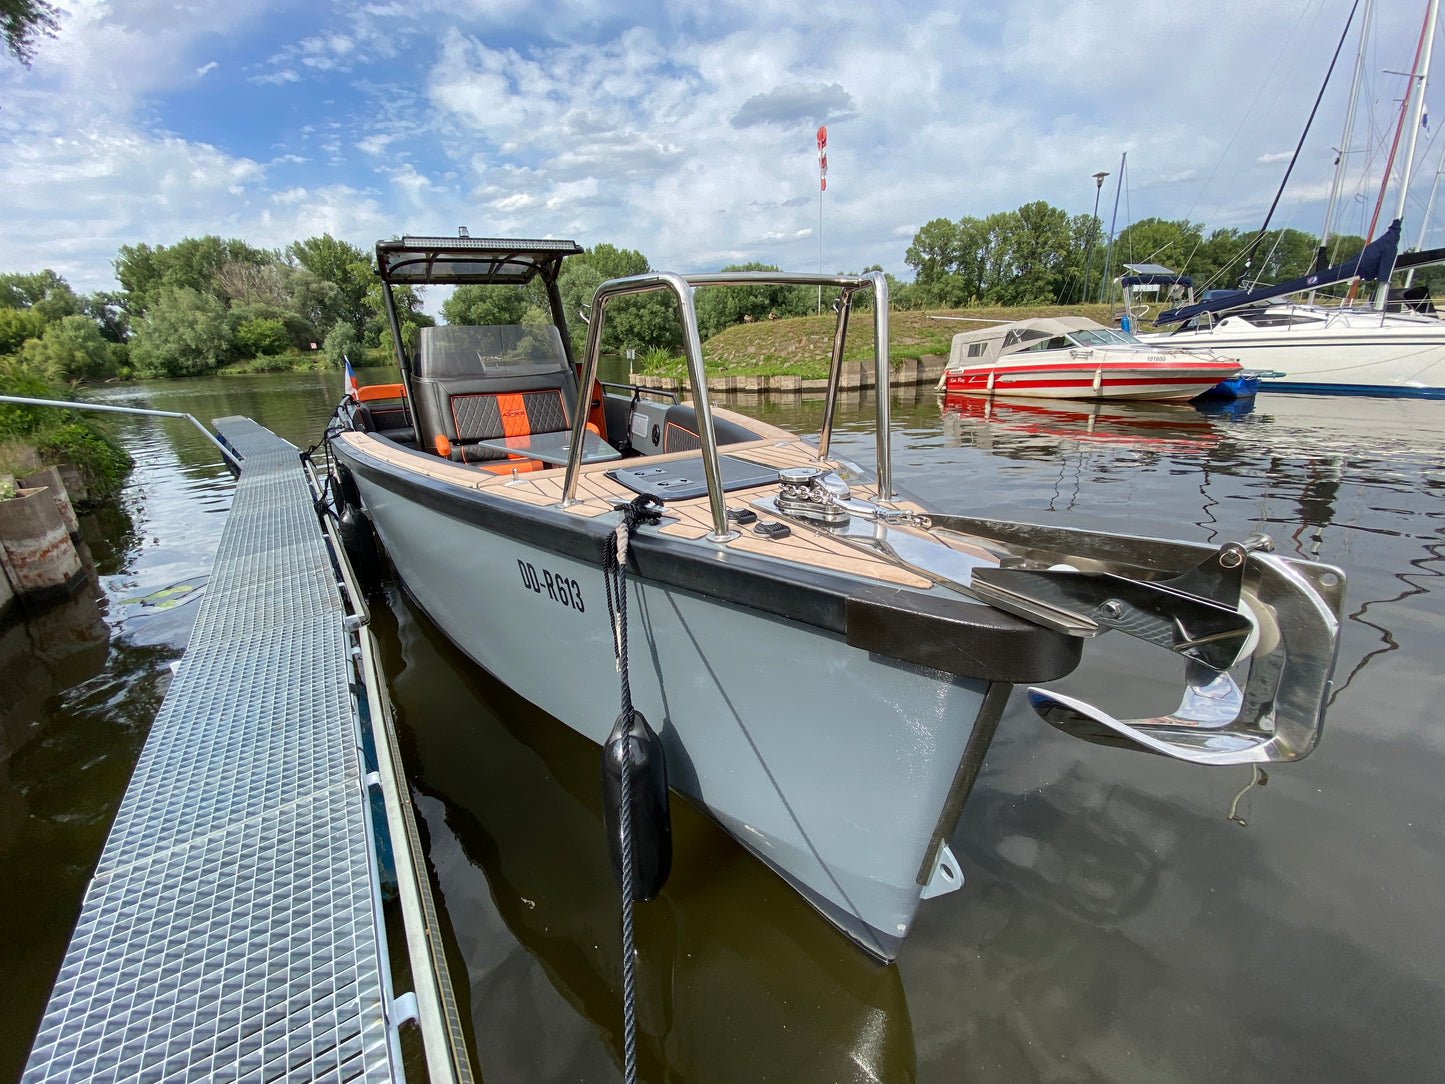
(233, 928)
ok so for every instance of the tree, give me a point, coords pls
(1284, 254)
(1175, 244)
(17, 325)
(70, 349)
(1029, 248)
(345, 267)
(486, 306)
(934, 254)
(43, 291)
(577, 282)
(341, 343)
(409, 315)
(971, 268)
(720, 307)
(24, 21)
(183, 333)
(643, 322)
(193, 263)
(1216, 264)
(261, 336)
(1009, 258)
(109, 315)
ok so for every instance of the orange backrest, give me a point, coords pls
(380, 391)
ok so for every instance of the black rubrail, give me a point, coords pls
(969, 639)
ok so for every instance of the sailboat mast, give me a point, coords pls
(1342, 161)
(1425, 218)
(1417, 103)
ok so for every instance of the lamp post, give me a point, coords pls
(1093, 226)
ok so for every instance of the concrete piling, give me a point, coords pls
(37, 555)
(50, 479)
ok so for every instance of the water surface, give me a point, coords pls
(1124, 917)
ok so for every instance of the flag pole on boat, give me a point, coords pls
(822, 187)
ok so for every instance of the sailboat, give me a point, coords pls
(1345, 350)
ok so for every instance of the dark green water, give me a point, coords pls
(1115, 924)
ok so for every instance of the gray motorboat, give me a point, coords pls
(824, 660)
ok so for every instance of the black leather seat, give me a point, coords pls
(485, 383)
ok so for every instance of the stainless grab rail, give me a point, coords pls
(682, 286)
(692, 348)
(69, 404)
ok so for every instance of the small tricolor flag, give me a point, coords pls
(822, 158)
(350, 388)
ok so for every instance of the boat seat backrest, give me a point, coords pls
(382, 409)
(483, 383)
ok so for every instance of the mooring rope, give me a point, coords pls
(643, 509)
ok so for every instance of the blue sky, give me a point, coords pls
(682, 130)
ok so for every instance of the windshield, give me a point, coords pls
(467, 350)
(1104, 336)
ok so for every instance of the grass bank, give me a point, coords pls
(35, 437)
(802, 346)
(304, 361)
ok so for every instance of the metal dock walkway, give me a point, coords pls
(233, 929)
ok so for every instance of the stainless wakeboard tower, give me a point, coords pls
(1219, 608)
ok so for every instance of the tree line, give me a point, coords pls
(1040, 254)
(206, 302)
(190, 307)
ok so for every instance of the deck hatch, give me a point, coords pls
(683, 479)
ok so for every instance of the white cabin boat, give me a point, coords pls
(1073, 357)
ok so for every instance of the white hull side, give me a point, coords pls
(831, 765)
(1400, 359)
(1097, 373)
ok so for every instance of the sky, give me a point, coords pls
(685, 131)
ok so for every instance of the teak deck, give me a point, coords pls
(691, 519)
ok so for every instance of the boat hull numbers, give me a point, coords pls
(560, 589)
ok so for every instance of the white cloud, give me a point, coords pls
(277, 78)
(685, 132)
(375, 144)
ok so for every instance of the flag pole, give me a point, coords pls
(822, 187)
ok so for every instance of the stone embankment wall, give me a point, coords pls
(856, 375)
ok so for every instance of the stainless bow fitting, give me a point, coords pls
(1220, 608)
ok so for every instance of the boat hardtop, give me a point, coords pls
(824, 659)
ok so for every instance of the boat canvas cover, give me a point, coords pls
(992, 339)
(1375, 263)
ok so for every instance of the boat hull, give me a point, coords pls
(1068, 379)
(1348, 358)
(832, 764)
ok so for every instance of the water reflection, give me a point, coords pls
(1044, 427)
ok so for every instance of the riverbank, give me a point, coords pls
(86, 451)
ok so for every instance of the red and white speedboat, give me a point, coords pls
(1073, 357)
